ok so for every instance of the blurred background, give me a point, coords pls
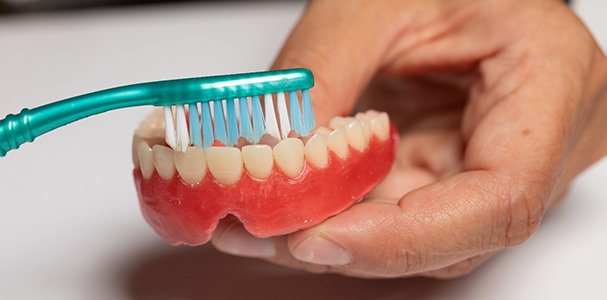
(22, 6)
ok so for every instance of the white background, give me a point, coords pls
(70, 226)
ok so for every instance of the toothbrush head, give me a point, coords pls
(236, 107)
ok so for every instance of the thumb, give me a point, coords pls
(338, 41)
(433, 227)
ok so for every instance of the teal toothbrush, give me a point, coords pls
(220, 108)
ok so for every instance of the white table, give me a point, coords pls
(69, 221)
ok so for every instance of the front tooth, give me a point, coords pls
(364, 122)
(316, 151)
(338, 143)
(258, 160)
(385, 121)
(338, 122)
(289, 156)
(134, 149)
(225, 164)
(191, 165)
(356, 136)
(146, 160)
(163, 161)
(378, 129)
(323, 130)
(366, 129)
(361, 116)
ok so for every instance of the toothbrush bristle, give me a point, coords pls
(220, 124)
(232, 121)
(227, 120)
(169, 126)
(258, 126)
(271, 122)
(296, 117)
(195, 128)
(246, 130)
(283, 116)
(183, 138)
(207, 124)
(308, 112)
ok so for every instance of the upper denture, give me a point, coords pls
(226, 164)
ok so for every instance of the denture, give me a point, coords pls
(274, 187)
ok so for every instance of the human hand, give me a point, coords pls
(500, 104)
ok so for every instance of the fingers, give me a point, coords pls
(459, 269)
(431, 228)
(439, 225)
(230, 237)
(338, 41)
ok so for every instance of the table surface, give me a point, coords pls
(69, 219)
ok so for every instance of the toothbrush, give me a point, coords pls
(210, 104)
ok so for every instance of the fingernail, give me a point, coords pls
(237, 241)
(320, 251)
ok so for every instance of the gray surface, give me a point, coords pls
(69, 219)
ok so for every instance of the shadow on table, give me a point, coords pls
(204, 273)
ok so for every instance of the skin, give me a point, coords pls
(500, 105)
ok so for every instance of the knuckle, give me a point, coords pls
(522, 213)
(325, 95)
(395, 255)
(406, 261)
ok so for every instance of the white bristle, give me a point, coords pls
(169, 126)
(237, 108)
(211, 106)
(283, 115)
(183, 137)
(270, 117)
(224, 104)
(250, 104)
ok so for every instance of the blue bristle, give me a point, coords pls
(295, 112)
(308, 112)
(246, 130)
(232, 122)
(207, 125)
(220, 124)
(195, 130)
(258, 125)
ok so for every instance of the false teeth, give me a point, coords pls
(356, 136)
(378, 129)
(364, 122)
(258, 160)
(191, 165)
(316, 151)
(338, 122)
(163, 161)
(225, 164)
(385, 121)
(289, 156)
(323, 130)
(146, 160)
(338, 143)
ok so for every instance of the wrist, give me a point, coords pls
(602, 107)
(591, 142)
(597, 125)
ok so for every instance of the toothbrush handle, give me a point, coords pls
(14, 131)
(27, 125)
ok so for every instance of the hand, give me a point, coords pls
(500, 105)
